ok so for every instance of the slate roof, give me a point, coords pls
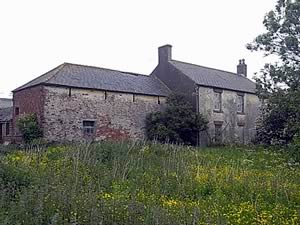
(215, 78)
(5, 102)
(80, 76)
(6, 114)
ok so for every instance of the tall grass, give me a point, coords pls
(142, 183)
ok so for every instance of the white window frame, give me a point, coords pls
(217, 100)
(240, 105)
(88, 130)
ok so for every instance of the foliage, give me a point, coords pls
(134, 183)
(280, 120)
(279, 83)
(29, 127)
(179, 123)
(294, 148)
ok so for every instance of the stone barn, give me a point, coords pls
(75, 102)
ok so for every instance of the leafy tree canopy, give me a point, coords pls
(178, 123)
(279, 83)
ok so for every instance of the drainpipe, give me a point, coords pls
(197, 111)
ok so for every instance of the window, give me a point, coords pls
(17, 111)
(158, 100)
(218, 132)
(217, 100)
(240, 103)
(70, 92)
(133, 97)
(88, 127)
(105, 95)
(7, 129)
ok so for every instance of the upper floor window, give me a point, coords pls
(218, 100)
(17, 111)
(88, 127)
(240, 103)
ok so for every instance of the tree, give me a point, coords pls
(178, 123)
(29, 127)
(278, 84)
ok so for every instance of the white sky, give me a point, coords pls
(38, 35)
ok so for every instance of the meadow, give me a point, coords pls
(144, 183)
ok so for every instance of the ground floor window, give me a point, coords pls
(89, 127)
(218, 132)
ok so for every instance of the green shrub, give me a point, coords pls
(29, 127)
(178, 123)
(294, 148)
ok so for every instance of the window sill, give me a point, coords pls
(240, 113)
(218, 111)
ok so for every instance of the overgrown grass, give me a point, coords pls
(130, 183)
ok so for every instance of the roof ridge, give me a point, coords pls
(231, 73)
(96, 67)
(59, 68)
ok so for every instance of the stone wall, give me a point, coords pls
(117, 116)
(236, 127)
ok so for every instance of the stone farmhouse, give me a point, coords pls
(75, 102)
(226, 99)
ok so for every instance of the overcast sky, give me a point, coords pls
(36, 36)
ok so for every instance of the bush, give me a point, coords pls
(179, 123)
(294, 148)
(29, 127)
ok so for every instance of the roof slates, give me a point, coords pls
(215, 78)
(80, 76)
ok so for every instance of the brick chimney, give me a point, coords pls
(242, 68)
(165, 53)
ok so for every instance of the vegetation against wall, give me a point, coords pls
(29, 127)
(178, 123)
(279, 83)
(148, 184)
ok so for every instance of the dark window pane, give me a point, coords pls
(17, 111)
(88, 123)
(218, 133)
(7, 129)
(88, 127)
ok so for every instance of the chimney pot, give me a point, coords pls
(242, 68)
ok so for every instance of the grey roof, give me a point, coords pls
(215, 78)
(81, 76)
(5, 102)
(6, 114)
